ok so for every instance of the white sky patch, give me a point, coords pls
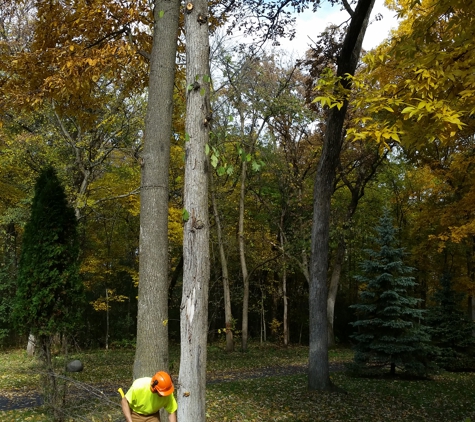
(310, 24)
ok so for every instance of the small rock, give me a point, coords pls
(75, 366)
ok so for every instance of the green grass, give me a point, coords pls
(446, 397)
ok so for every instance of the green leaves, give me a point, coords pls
(185, 215)
(215, 155)
(335, 90)
(205, 79)
(222, 167)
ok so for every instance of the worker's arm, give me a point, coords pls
(126, 410)
(172, 417)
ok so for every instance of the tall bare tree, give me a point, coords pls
(318, 375)
(152, 331)
(196, 266)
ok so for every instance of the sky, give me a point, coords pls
(310, 24)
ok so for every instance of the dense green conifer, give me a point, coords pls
(451, 329)
(49, 292)
(389, 326)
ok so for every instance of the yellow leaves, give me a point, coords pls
(466, 93)
(329, 101)
(454, 234)
(422, 73)
(103, 303)
(375, 132)
(91, 62)
(72, 51)
(409, 109)
(333, 89)
(175, 226)
(429, 70)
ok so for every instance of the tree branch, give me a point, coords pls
(348, 8)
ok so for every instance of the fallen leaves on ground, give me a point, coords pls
(266, 384)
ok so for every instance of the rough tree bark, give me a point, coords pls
(152, 331)
(318, 374)
(196, 267)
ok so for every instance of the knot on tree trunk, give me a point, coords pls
(202, 19)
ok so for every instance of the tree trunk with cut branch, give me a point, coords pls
(196, 265)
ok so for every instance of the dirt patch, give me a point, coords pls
(19, 399)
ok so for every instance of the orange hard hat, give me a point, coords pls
(162, 384)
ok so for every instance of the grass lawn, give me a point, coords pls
(238, 392)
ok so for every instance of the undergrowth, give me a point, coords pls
(445, 397)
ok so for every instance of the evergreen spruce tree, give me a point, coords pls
(451, 329)
(389, 328)
(49, 295)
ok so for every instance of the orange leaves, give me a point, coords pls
(78, 49)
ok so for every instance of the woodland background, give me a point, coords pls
(73, 94)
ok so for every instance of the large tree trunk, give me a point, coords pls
(318, 374)
(152, 331)
(228, 316)
(196, 265)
